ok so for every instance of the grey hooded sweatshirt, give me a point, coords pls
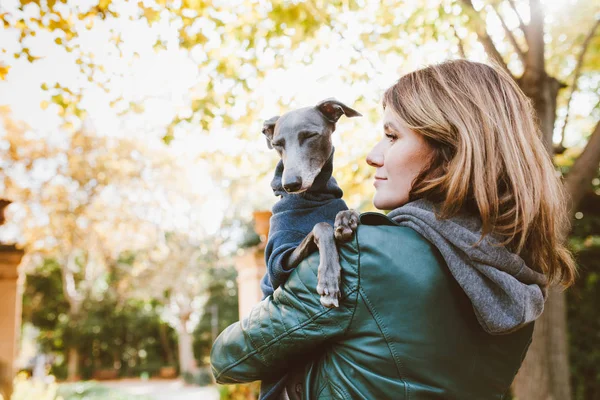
(506, 294)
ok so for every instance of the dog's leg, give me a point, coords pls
(345, 224)
(329, 266)
(306, 247)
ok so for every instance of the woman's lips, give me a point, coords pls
(378, 180)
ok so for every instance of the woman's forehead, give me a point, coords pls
(391, 119)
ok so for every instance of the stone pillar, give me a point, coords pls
(10, 310)
(251, 266)
(10, 315)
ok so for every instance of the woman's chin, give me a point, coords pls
(383, 203)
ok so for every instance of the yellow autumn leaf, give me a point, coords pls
(4, 71)
(151, 14)
(104, 4)
(194, 4)
(44, 104)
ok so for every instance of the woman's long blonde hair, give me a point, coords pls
(488, 157)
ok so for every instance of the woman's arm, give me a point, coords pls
(285, 326)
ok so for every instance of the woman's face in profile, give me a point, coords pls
(398, 158)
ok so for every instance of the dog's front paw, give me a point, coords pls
(329, 287)
(329, 296)
(345, 224)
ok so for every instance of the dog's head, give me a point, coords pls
(303, 140)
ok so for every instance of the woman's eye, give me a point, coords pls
(391, 136)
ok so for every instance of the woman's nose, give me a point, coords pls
(375, 158)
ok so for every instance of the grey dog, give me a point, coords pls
(302, 138)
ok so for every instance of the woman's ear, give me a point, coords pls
(333, 109)
(269, 129)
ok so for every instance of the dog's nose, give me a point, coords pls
(294, 185)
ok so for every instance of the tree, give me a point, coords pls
(221, 310)
(126, 335)
(87, 200)
(177, 271)
(237, 50)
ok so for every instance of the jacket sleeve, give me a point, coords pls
(287, 325)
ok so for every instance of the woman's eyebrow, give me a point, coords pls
(389, 126)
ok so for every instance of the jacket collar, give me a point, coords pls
(375, 218)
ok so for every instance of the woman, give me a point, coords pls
(439, 295)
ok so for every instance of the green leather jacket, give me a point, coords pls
(404, 328)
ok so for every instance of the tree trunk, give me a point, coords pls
(75, 301)
(584, 170)
(73, 365)
(187, 362)
(73, 354)
(164, 341)
(543, 91)
(544, 374)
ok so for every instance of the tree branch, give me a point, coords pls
(521, 23)
(484, 38)
(576, 74)
(583, 170)
(317, 11)
(510, 36)
(461, 45)
(535, 36)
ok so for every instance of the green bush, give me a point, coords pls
(201, 378)
(249, 391)
(222, 297)
(150, 368)
(107, 332)
(582, 302)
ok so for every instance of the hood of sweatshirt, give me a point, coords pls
(506, 294)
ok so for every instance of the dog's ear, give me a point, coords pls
(269, 129)
(333, 109)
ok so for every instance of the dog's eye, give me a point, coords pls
(307, 135)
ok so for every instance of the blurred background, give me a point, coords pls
(134, 178)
